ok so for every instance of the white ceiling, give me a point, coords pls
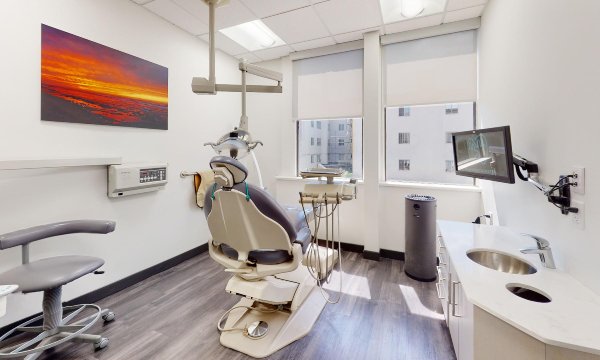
(302, 24)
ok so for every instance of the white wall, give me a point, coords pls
(151, 227)
(539, 74)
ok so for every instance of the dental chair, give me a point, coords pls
(50, 275)
(262, 244)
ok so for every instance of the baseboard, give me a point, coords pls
(391, 254)
(371, 255)
(122, 284)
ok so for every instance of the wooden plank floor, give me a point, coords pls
(383, 314)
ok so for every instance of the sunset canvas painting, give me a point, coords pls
(86, 82)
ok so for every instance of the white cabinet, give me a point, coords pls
(458, 310)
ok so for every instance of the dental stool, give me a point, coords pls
(50, 275)
(262, 244)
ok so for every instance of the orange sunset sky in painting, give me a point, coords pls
(86, 82)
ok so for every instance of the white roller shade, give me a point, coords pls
(434, 70)
(329, 86)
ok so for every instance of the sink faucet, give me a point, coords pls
(543, 249)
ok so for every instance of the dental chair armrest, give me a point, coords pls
(26, 236)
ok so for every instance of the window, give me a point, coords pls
(433, 129)
(451, 109)
(341, 127)
(404, 165)
(318, 139)
(312, 124)
(312, 140)
(403, 138)
(448, 138)
(332, 154)
(404, 111)
(318, 124)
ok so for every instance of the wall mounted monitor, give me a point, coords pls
(484, 154)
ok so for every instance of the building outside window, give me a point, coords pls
(430, 142)
(451, 109)
(403, 138)
(318, 124)
(333, 147)
(404, 165)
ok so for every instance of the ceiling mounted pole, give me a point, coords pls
(201, 85)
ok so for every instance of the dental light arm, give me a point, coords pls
(202, 85)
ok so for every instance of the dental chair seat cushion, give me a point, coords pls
(50, 273)
(264, 257)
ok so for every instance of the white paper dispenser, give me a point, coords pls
(130, 179)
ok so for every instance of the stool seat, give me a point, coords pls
(50, 273)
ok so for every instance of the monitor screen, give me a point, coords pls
(484, 154)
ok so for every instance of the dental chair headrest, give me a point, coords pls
(238, 171)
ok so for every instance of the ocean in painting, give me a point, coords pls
(86, 82)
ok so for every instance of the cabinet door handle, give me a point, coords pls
(438, 285)
(454, 303)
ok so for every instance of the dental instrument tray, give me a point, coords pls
(328, 173)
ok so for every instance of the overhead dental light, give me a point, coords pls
(238, 142)
(253, 35)
(412, 8)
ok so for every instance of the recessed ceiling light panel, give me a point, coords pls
(398, 10)
(253, 35)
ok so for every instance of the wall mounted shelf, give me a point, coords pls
(21, 164)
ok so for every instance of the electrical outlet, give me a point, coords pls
(579, 178)
(578, 218)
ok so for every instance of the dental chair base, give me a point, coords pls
(290, 304)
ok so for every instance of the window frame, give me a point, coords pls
(385, 153)
(362, 138)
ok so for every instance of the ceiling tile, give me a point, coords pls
(225, 44)
(461, 4)
(273, 53)
(342, 16)
(228, 15)
(412, 24)
(297, 26)
(312, 44)
(355, 35)
(177, 16)
(264, 8)
(141, 2)
(464, 14)
(250, 57)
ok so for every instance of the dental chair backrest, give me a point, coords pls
(234, 218)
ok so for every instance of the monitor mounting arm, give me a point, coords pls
(202, 85)
(558, 194)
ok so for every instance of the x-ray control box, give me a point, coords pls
(130, 179)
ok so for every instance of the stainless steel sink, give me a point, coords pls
(501, 262)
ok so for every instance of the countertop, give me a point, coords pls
(571, 320)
